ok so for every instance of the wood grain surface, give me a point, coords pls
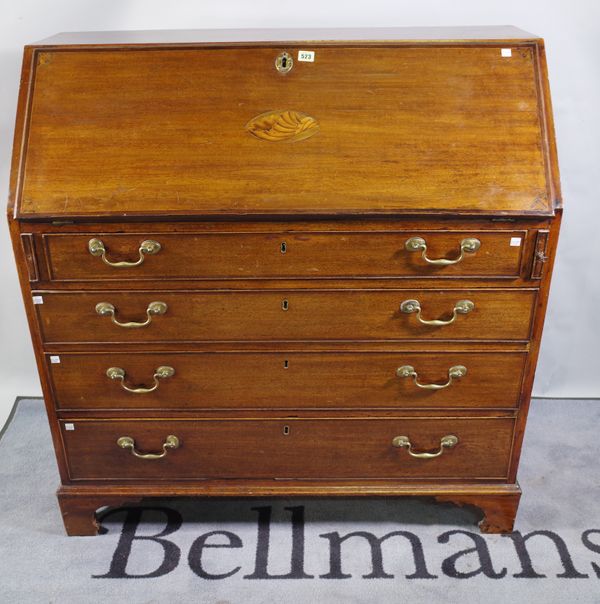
(433, 128)
(340, 448)
(311, 255)
(286, 315)
(279, 380)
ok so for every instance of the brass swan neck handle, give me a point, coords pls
(467, 246)
(446, 442)
(160, 373)
(126, 442)
(462, 307)
(454, 373)
(96, 247)
(106, 309)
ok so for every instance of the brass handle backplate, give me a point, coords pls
(467, 246)
(126, 442)
(96, 247)
(161, 373)
(462, 307)
(106, 309)
(408, 371)
(446, 442)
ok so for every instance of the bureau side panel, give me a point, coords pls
(536, 337)
(23, 272)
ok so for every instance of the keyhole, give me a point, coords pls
(286, 364)
(284, 62)
(286, 430)
(283, 247)
(284, 305)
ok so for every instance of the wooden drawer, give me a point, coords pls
(283, 255)
(274, 380)
(284, 315)
(290, 448)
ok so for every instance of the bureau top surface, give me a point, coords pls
(244, 123)
(219, 36)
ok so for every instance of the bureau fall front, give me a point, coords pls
(286, 263)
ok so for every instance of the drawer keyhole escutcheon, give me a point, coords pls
(283, 247)
(446, 442)
(467, 246)
(285, 305)
(286, 430)
(96, 247)
(106, 309)
(454, 373)
(462, 307)
(284, 62)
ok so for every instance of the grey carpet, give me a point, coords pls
(559, 475)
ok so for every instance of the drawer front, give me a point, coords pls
(285, 380)
(284, 315)
(284, 255)
(294, 448)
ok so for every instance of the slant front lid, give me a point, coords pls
(298, 129)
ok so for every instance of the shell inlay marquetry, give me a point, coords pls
(282, 126)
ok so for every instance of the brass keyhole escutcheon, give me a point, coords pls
(284, 62)
(286, 430)
(285, 305)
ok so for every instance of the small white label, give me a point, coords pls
(70, 427)
(38, 299)
(306, 55)
(506, 52)
(55, 359)
(515, 241)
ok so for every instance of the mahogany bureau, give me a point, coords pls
(272, 263)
